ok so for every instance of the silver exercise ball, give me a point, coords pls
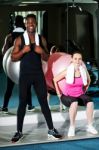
(12, 69)
(5, 58)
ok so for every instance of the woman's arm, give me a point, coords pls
(88, 78)
(56, 79)
(88, 81)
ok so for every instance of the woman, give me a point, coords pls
(77, 83)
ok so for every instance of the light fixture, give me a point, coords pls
(22, 4)
(32, 2)
(75, 6)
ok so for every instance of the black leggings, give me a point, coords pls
(82, 100)
(8, 93)
(39, 84)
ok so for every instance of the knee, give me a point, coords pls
(74, 104)
(90, 104)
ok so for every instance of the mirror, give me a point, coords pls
(64, 25)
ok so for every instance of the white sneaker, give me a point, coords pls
(71, 131)
(91, 129)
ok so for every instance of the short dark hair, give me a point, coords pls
(19, 21)
(31, 16)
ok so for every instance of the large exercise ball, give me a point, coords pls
(57, 62)
(49, 75)
(8, 52)
(61, 64)
(12, 69)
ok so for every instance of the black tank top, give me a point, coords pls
(31, 61)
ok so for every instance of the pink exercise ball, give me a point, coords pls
(57, 62)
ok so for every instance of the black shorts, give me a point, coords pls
(82, 100)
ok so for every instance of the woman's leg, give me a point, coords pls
(89, 112)
(72, 113)
(87, 101)
(72, 103)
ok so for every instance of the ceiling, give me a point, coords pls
(23, 2)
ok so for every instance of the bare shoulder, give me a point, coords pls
(18, 40)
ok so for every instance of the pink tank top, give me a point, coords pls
(75, 89)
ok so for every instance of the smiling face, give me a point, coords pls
(77, 59)
(31, 25)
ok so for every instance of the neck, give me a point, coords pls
(31, 33)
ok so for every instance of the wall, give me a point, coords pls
(4, 23)
(57, 23)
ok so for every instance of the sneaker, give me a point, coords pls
(18, 136)
(71, 131)
(91, 129)
(53, 134)
(31, 108)
(4, 110)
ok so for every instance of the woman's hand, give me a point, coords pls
(86, 88)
